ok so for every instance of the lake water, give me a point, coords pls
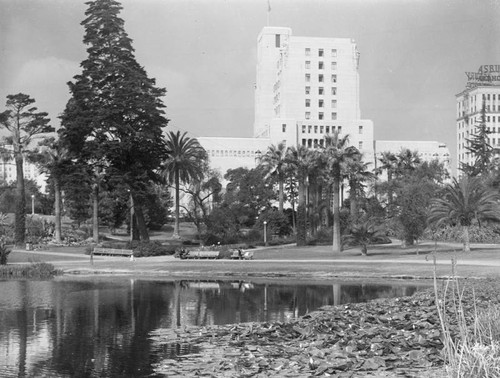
(99, 326)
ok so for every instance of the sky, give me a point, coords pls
(414, 55)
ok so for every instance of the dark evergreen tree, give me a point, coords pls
(24, 123)
(479, 148)
(113, 121)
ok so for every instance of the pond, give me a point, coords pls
(100, 326)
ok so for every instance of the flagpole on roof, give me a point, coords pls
(268, 10)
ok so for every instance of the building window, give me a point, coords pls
(308, 90)
(334, 78)
(320, 115)
(334, 116)
(308, 115)
(308, 51)
(334, 53)
(320, 52)
(321, 90)
(309, 129)
(320, 103)
(320, 65)
(308, 78)
(283, 127)
(334, 66)
(360, 146)
(320, 78)
(327, 129)
(321, 129)
(303, 129)
(360, 130)
(334, 104)
(308, 102)
(321, 142)
(334, 91)
(277, 40)
(308, 64)
(340, 129)
(315, 129)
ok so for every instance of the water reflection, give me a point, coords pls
(101, 326)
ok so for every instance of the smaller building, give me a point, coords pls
(427, 150)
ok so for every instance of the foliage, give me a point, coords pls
(464, 201)
(4, 253)
(114, 119)
(479, 148)
(185, 164)
(363, 233)
(274, 163)
(247, 195)
(222, 226)
(486, 233)
(24, 123)
(277, 223)
(144, 248)
(38, 270)
(37, 229)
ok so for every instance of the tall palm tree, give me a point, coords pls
(407, 161)
(301, 159)
(184, 164)
(337, 152)
(357, 174)
(274, 161)
(464, 201)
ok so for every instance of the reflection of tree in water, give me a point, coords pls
(366, 292)
(105, 332)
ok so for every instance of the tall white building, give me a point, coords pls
(308, 87)
(483, 87)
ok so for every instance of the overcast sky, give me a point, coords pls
(413, 55)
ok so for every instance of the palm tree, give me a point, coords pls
(357, 174)
(363, 234)
(274, 162)
(407, 161)
(337, 152)
(184, 164)
(301, 160)
(464, 201)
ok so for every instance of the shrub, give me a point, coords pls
(477, 234)
(150, 248)
(4, 253)
(34, 270)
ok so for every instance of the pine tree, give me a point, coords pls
(113, 121)
(480, 149)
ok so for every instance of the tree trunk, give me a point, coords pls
(466, 240)
(57, 211)
(95, 213)
(353, 201)
(141, 223)
(364, 250)
(337, 246)
(280, 190)
(20, 215)
(301, 217)
(177, 213)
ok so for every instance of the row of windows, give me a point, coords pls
(321, 78)
(321, 52)
(321, 103)
(321, 129)
(321, 90)
(321, 65)
(312, 143)
(492, 119)
(321, 115)
(494, 142)
(235, 153)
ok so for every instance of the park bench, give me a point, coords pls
(202, 255)
(112, 252)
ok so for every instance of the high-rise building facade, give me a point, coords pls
(306, 88)
(482, 88)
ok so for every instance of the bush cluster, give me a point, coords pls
(150, 248)
(35, 270)
(477, 234)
